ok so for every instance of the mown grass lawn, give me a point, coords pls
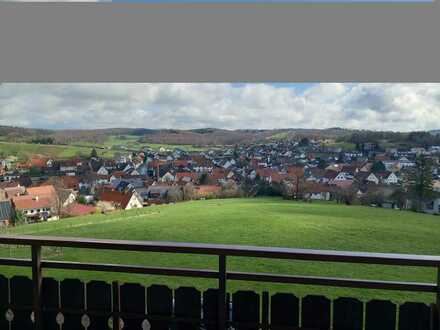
(259, 221)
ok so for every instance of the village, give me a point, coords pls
(46, 189)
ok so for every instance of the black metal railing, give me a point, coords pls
(37, 264)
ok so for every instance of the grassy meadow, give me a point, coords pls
(108, 149)
(260, 222)
(26, 150)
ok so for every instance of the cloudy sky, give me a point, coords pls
(398, 107)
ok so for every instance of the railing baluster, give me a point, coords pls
(37, 281)
(265, 311)
(115, 305)
(222, 292)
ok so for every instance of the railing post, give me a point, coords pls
(222, 308)
(265, 311)
(37, 282)
(115, 306)
(438, 297)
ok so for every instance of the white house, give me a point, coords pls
(372, 178)
(102, 171)
(405, 162)
(343, 176)
(135, 202)
(391, 179)
(167, 177)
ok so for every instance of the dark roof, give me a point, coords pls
(5, 210)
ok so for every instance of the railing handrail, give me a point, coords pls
(226, 250)
(222, 251)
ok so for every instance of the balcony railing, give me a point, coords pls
(215, 311)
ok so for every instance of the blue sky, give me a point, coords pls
(379, 106)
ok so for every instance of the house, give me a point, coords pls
(124, 201)
(76, 210)
(366, 167)
(69, 166)
(186, 177)
(388, 177)
(143, 194)
(38, 162)
(33, 208)
(46, 191)
(167, 177)
(432, 207)
(372, 178)
(6, 213)
(14, 190)
(316, 191)
(70, 182)
(342, 176)
(65, 197)
(102, 171)
(405, 162)
(157, 194)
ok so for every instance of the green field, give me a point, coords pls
(260, 221)
(121, 142)
(26, 150)
(113, 145)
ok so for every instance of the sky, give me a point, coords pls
(381, 106)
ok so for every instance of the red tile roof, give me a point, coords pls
(181, 175)
(28, 202)
(47, 191)
(115, 197)
(70, 182)
(38, 162)
(77, 209)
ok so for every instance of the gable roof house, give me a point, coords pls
(388, 177)
(46, 191)
(315, 191)
(167, 177)
(65, 196)
(34, 208)
(69, 166)
(157, 194)
(186, 177)
(342, 176)
(15, 190)
(102, 171)
(116, 199)
(6, 213)
(373, 178)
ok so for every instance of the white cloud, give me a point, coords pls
(401, 107)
